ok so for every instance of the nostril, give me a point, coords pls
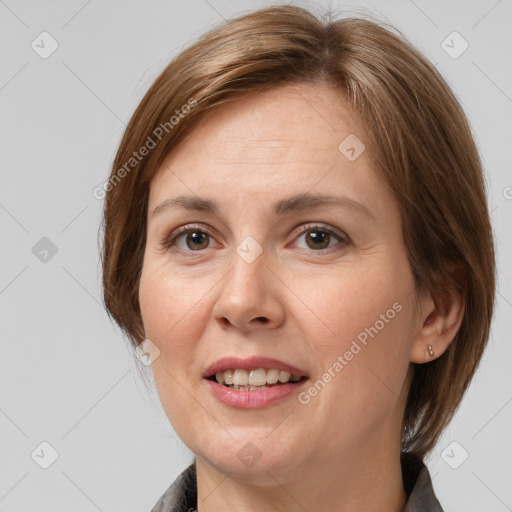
(262, 319)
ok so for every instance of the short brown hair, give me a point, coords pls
(419, 139)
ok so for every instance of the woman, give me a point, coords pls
(297, 239)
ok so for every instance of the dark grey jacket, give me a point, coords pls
(181, 496)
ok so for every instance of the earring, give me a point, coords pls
(430, 351)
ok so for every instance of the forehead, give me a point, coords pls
(286, 139)
(261, 125)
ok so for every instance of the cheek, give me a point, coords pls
(344, 304)
(170, 321)
(168, 306)
(364, 318)
(168, 317)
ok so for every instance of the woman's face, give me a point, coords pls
(324, 287)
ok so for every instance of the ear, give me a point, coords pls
(440, 317)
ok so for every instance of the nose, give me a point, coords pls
(250, 296)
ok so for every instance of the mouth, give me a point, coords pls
(254, 374)
(255, 380)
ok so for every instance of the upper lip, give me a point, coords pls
(251, 363)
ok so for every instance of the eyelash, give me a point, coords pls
(169, 240)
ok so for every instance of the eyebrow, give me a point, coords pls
(298, 202)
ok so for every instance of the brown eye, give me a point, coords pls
(318, 238)
(195, 239)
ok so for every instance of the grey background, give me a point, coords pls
(67, 377)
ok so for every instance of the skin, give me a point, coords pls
(341, 450)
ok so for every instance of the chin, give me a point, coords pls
(253, 459)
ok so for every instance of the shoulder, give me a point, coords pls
(418, 485)
(181, 496)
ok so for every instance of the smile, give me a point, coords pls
(254, 380)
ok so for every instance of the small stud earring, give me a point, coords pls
(430, 351)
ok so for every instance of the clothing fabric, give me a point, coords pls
(181, 496)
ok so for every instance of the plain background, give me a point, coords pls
(67, 376)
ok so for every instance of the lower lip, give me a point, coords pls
(247, 399)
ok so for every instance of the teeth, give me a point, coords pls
(240, 378)
(228, 376)
(284, 377)
(260, 378)
(250, 388)
(272, 376)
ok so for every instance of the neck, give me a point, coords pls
(369, 479)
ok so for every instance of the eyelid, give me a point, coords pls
(169, 238)
(321, 226)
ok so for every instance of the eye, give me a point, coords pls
(319, 238)
(196, 238)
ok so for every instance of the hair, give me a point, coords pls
(419, 140)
